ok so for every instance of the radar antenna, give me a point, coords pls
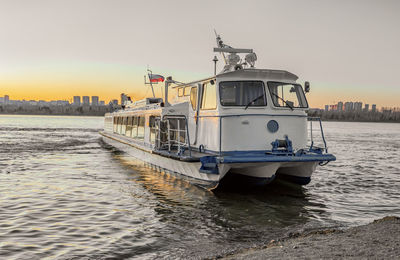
(232, 61)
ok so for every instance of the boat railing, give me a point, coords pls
(318, 119)
(176, 135)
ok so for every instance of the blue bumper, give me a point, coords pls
(260, 157)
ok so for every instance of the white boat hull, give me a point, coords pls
(185, 170)
(260, 172)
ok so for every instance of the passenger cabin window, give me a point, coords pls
(134, 126)
(115, 122)
(287, 95)
(129, 127)
(180, 92)
(123, 129)
(119, 125)
(209, 98)
(140, 132)
(153, 124)
(186, 91)
(242, 93)
(193, 98)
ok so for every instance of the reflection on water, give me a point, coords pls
(195, 219)
(65, 194)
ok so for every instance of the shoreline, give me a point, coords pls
(94, 115)
(53, 115)
(379, 239)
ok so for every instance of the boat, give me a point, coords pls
(246, 122)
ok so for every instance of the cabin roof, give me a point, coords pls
(260, 74)
(250, 74)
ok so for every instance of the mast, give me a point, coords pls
(233, 60)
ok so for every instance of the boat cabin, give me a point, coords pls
(244, 110)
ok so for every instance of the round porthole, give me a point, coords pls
(272, 126)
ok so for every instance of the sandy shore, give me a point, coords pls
(377, 240)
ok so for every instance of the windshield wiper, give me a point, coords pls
(282, 100)
(257, 98)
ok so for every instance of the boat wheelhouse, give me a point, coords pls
(243, 121)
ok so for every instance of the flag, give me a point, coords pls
(156, 78)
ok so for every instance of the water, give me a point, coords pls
(65, 194)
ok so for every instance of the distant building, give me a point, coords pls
(95, 100)
(373, 109)
(124, 98)
(77, 100)
(114, 102)
(102, 103)
(85, 100)
(1, 99)
(326, 107)
(366, 108)
(357, 106)
(340, 106)
(333, 107)
(6, 99)
(348, 106)
(62, 102)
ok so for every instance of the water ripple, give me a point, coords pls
(65, 194)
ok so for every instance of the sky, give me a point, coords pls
(55, 49)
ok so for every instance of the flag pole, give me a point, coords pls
(151, 84)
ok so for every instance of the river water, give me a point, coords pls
(65, 194)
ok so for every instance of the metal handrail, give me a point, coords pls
(178, 131)
(311, 119)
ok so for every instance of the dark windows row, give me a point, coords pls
(131, 126)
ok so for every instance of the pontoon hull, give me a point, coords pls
(185, 170)
(257, 172)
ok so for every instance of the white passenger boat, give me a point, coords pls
(243, 121)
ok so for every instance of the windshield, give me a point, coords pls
(287, 95)
(242, 93)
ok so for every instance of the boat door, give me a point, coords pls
(193, 113)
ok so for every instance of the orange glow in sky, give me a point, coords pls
(54, 50)
(109, 81)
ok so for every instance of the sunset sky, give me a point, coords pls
(53, 49)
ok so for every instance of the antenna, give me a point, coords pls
(233, 60)
(220, 44)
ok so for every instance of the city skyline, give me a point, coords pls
(75, 100)
(339, 106)
(58, 49)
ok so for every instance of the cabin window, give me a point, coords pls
(140, 132)
(129, 127)
(134, 126)
(153, 128)
(180, 92)
(186, 91)
(209, 99)
(119, 125)
(287, 95)
(193, 98)
(115, 124)
(242, 93)
(123, 129)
